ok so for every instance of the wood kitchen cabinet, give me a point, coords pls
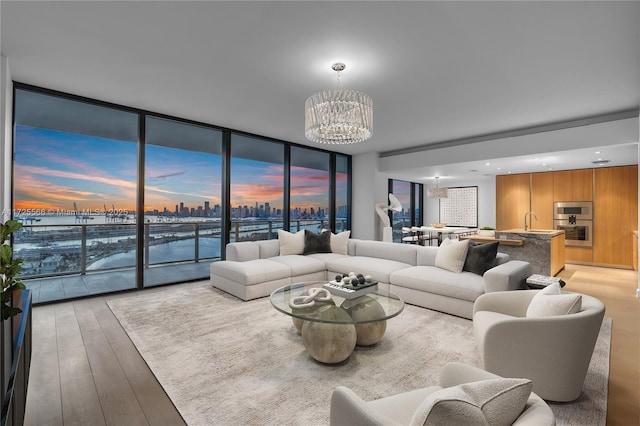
(573, 185)
(518, 194)
(615, 215)
(512, 200)
(542, 189)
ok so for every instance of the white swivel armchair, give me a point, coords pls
(553, 351)
(348, 409)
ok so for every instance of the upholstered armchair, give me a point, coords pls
(348, 409)
(553, 351)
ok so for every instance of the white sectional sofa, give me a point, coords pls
(254, 269)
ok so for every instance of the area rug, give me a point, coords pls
(227, 362)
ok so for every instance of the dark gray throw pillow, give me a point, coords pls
(481, 258)
(317, 243)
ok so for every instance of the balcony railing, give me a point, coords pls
(52, 250)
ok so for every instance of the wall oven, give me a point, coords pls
(578, 233)
(575, 218)
(573, 210)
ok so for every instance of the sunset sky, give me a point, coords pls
(52, 170)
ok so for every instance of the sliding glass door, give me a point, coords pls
(182, 200)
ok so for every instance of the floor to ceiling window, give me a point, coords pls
(257, 188)
(342, 193)
(182, 199)
(75, 168)
(410, 195)
(113, 198)
(309, 190)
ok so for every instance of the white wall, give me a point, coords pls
(6, 132)
(486, 201)
(369, 188)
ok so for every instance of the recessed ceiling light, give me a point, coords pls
(597, 152)
(487, 164)
(544, 164)
(499, 168)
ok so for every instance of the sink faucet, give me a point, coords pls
(525, 218)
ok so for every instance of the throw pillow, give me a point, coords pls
(317, 243)
(290, 243)
(491, 402)
(481, 257)
(551, 301)
(340, 242)
(451, 255)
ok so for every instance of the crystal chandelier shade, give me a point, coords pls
(338, 116)
(437, 192)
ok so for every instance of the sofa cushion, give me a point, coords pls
(431, 279)
(316, 243)
(451, 255)
(268, 248)
(300, 265)
(495, 402)
(290, 243)
(251, 272)
(550, 301)
(340, 242)
(405, 253)
(243, 251)
(426, 255)
(328, 257)
(480, 257)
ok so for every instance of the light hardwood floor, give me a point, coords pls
(86, 371)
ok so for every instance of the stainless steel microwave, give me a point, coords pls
(573, 210)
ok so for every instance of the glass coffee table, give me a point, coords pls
(331, 328)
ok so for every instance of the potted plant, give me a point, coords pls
(9, 269)
(487, 231)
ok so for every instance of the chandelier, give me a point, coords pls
(338, 116)
(437, 192)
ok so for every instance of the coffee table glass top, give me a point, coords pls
(377, 306)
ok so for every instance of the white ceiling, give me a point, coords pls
(437, 71)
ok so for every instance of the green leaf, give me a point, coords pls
(9, 311)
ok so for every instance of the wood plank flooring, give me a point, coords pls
(86, 371)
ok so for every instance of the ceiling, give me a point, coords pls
(437, 71)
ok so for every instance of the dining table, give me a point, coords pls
(423, 231)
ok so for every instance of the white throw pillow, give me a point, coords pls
(492, 402)
(340, 242)
(452, 254)
(290, 243)
(551, 301)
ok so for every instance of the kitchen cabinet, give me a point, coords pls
(513, 200)
(573, 185)
(615, 215)
(582, 185)
(542, 185)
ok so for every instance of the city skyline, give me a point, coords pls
(53, 170)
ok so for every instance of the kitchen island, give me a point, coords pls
(542, 248)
